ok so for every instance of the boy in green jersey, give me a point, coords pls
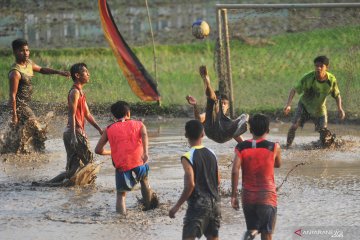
(314, 87)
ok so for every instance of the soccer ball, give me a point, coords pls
(200, 29)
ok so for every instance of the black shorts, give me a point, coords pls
(202, 218)
(260, 217)
(301, 116)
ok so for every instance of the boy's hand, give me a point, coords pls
(73, 140)
(65, 74)
(14, 120)
(203, 71)
(191, 100)
(172, 211)
(145, 157)
(341, 114)
(235, 203)
(287, 109)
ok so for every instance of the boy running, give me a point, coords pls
(201, 183)
(314, 88)
(257, 158)
(129, 152)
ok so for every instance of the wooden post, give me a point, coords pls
(153, 44)
(227, 60)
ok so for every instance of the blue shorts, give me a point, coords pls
(260, 217)
(125, 181)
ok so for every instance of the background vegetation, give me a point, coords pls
(262, 73)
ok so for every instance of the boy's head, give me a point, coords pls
(224, 101)
(194, 130)
(21, 49)
(79, 70)
(322, 59)
(321, 64)
(19, 44)
(120, 109)
(259, 125)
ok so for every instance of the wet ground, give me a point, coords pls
(323, 193)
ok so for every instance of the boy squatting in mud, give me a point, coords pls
(75, 139)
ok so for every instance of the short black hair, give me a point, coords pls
(221, 95)
(322, 59)
(259, 124)
(193, 129)
(19, 43)
(119, 109)
(76, 68)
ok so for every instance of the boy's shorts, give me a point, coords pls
(202, 218)
(301, 116)
(125, 181)
(260, 217)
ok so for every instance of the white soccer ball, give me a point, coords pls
(200, 29)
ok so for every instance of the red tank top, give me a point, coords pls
(126, 144)
(257, 165)
(80, 110)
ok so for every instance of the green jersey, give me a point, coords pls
(313, 93)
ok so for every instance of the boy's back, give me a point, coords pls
(126, 144)
(204, 163)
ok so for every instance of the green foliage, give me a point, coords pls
(262, 74)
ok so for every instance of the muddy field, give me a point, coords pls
(323, 193)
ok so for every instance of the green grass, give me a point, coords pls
(262, 75)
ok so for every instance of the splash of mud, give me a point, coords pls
(25, 138)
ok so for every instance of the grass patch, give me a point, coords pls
(262, 75)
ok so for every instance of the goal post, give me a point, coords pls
(246, 22)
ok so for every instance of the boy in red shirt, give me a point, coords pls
(129, 152)
(257, 158)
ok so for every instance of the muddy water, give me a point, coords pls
(324, 192)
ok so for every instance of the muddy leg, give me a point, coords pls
(121, 202)
(291, 135)
(146, 193)
(209, 91)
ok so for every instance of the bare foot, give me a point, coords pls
(191, 100)
(204, 75)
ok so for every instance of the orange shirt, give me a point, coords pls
(126, 144)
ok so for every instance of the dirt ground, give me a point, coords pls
(317, 194)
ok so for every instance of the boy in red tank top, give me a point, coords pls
(75, 140)
(257, 159)
(129, 152)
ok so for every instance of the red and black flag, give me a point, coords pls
(140, 81)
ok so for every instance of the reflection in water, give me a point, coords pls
(318, 193)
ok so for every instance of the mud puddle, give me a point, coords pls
(323, 192)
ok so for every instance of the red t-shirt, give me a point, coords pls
(257, 164)
(126, 144)
(80, 110)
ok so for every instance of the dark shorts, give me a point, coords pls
(260, 217)
(301, 116)
(221, 128)
(202, 218)
(125, 181)
(81, 152)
